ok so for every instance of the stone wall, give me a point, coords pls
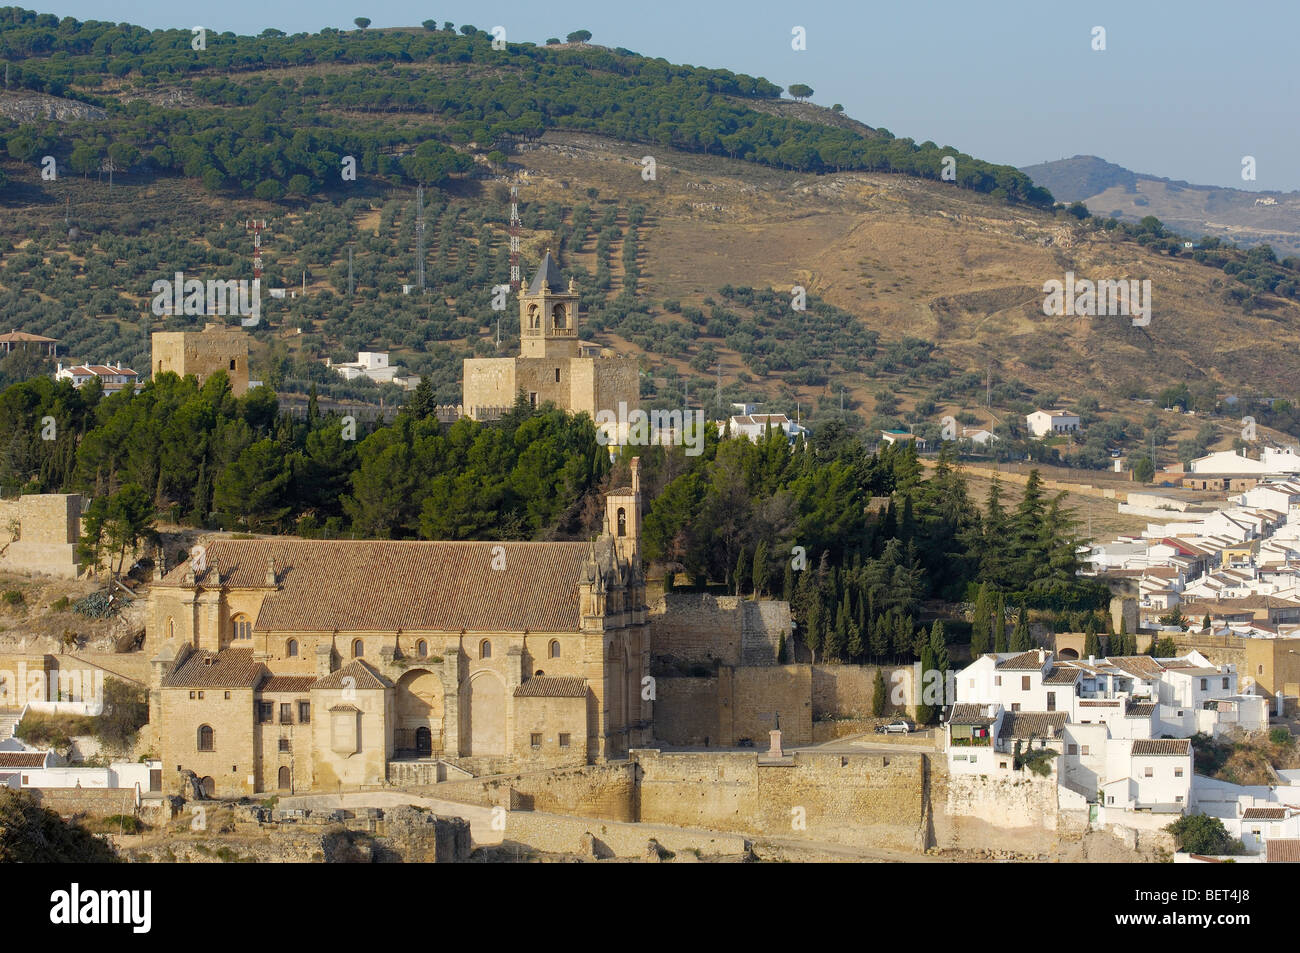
(202, 353)
(600, 790)
(846, 690)
(48, 525)
(763, 623)
(861, 800)
(556, 833)
(751, 698)
(95, 802)
(686, 711)
(1011, 812)
(696, 627)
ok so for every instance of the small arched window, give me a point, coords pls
(171, 629)
(539, 672)
(534, 317)
(207, 740)
(232, 363)
(555, 648)
(622, 521)
(358, 648)
(561, 322)
(422, 648)
(241, 628)
(485, 649)
(291, 650)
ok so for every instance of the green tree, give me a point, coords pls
(579, 36)
(129, 520)
(362, 22)
(939, 647)
(1203, 834)
(980, 630)
(800, 91)
(878, 694)
(1144, 470)
(1000, 626)
(761, 569)
(1020, 638)
(252, 489)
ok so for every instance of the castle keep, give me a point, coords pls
(202, 353)
(288, 664)
(554, 365)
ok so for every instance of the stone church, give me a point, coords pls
(288, 665)
(554, 365)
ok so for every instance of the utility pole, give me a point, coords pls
(419, 236)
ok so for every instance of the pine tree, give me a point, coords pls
(1122, 646)
(1206, 624)
(812, 635)
(1020, 640)
(879, 638)
(979, 630)
(1000, 626)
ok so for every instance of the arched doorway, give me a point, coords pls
(209, 787)
(285, 779)
(419, 710)
(1066, 654)
(485, 707)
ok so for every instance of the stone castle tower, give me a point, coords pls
(553, 364)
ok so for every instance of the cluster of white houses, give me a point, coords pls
(1119, 726)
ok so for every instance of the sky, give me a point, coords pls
(1184, 89)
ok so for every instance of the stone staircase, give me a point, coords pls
(9, 718)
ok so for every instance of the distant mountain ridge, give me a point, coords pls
(1112, 191)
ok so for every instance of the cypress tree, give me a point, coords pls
(878, 696)
(759, 575)
(742, 567)
(787, 584)
(1000, 626)
(1020, 640)
(1206, 625)
(979, 630)
(1090, 646)
(812, 635)
(924, 709)
(879, 638)
(939, 646)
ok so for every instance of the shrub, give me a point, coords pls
(13, 597)
(1279, 736)
(1203, 834)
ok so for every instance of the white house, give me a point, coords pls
(754, 426)
(113, 377)
(374, 366)
(1044, 422)
(1272, 461)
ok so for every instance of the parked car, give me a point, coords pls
(744, 743)
(900, 727)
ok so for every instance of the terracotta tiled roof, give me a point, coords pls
(231, 668)
(362, 674)
(1029, 661)
(967, 714)
(553, 686)
(1062, 676)
(1174, 746)
(1099, 703)
(360, 585)
(288, 683)
(1264, 814)
(1032, 724)
(1142, 710)
(23, 337)
(1282, 850)
(22, 759)
(1143, 666)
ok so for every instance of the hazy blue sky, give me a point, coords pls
(1184, 89)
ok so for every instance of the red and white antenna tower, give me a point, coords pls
(515, 280)
(256, 224)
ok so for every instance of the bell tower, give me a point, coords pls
(548, 314)
(623, 518)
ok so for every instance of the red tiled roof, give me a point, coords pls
(553, 686)
(288, 683)
(362, 675)
(1032, 724)
(362, 585)
(1282, 850)
(1264, 814)
(1029, 661)
(1161, 746)
(22, 759)
(230, 668)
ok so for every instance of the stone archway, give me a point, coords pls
(485, 715)
(419, 714)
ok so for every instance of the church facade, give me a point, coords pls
(554, 365)
(289, 665)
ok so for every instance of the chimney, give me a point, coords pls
(271, 580)
(1092, 660)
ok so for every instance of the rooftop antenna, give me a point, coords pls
(419, 236)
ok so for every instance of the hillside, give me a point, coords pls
(924, 296)
(1246, 218)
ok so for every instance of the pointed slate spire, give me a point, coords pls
(547, 277)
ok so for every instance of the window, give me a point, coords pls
(1204, 683)
(284, 744)
(1147, 772)
(557, 375)
(564, 740)
(171, 629)
(241, 628)
(1087, 750)
(1051, 701)
(207, 740)
(193, 695)
(1261, 670)
(555, 648)
(1024, 683)
(972, 759)
(1015, 706)
(535, 740)
(997, 680)
(1178, 799)
(304, 713)
(1178, 772)
(358, 648)
(532, 398)
(485, 649)
(1071, 749)
(227, 696)
(1002, 765)
(622, 521)
(1225, 682)
(291, 650)
(422, 648)
(1110, 799)
(265, 711)
(286, 713)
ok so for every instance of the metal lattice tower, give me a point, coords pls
(257, 225)
(419, 236)
(515, 280)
